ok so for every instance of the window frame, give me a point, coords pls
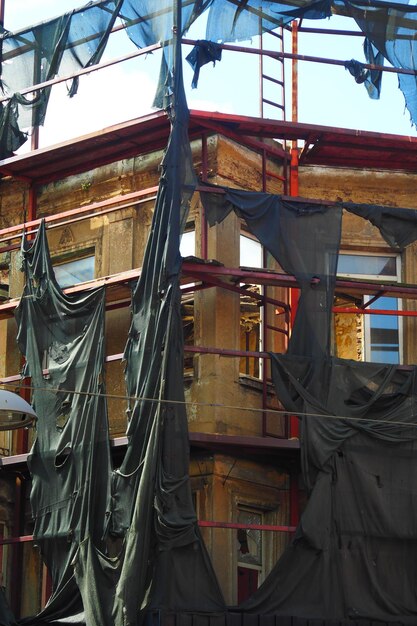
(245, 234)
(73, 256)
(367, 346)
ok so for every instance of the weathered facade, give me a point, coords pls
(244, 468)
(97, 195)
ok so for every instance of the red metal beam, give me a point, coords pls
(13, 540)
(210, 273)
(87, 70)
(191, 42)
(295, 130)
(150, 132)
(363, 311)
(267, 527)
(201, 523)
(89, 210)
(304, 57)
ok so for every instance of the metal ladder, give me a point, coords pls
(268, 77)
(272, 105)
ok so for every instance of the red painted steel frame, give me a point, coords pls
(201, 523)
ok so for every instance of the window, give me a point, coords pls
(381, 333)
(4, 281)
(250, 252)
(187, 248)
(251, 255)
(249, 553)
(187, 244)
(74, 271)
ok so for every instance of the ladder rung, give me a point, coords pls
(273, 80)
(274, 104)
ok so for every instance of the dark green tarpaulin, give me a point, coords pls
(358, 433)
(62, 338)
(161, 561)
(353, 556)
(304, 239)
(349, 541)
(164, 562)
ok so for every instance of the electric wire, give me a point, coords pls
(279, 412)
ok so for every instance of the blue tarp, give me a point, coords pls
(78, 39)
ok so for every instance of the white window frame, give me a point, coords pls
(188, 242)
(65, 260)
(367, 318)
(253, 510)
(245, 234)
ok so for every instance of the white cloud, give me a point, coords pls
(104, 98)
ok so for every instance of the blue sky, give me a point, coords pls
(328, 95)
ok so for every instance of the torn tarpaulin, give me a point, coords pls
(11, 137)
(398, 226)
(203, 52)
(70, 459)
(82, 507)
(370, 77)
(358, 70)
(304, 238)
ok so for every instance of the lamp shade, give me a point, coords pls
(14, 411)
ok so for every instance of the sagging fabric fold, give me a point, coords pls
(358, 430)
(124, 540)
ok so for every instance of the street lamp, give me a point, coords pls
(14, 411)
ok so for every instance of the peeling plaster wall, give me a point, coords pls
(222, 400)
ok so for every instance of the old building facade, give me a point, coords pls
(97, 196)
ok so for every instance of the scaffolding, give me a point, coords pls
(275, 141)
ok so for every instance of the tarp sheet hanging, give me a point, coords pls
(351, 557)
(162, 562)
(397, 226)
(62, 338)
(203, 52)
(59, 46)
(391, 28)
(304, 239)
(75, 40)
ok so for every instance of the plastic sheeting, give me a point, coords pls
(390, 27)
(279, 224)
(62, 338)
(397, 226)
(353, 556)
(78, 39)
(117, 542)
(203, 52)
(37, 54)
